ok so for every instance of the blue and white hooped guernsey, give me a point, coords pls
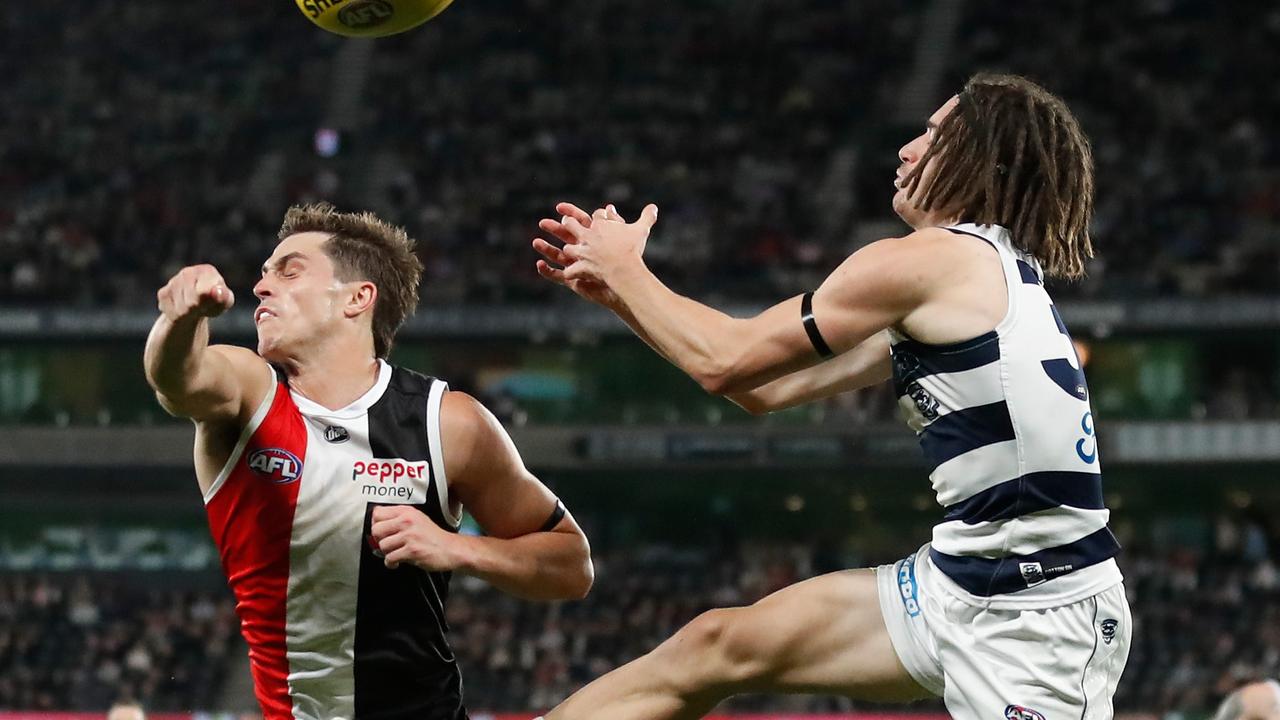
(1005, 425)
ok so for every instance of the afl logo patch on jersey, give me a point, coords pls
(336, 434)
(277, 465)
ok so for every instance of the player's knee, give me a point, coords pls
(717, 650)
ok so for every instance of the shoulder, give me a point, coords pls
(903, 267)
(471, 435)
(252, 375)
(463, 412)
(1260, 698)
(930, 246)
(242, 359)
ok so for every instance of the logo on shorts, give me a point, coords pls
(907, 585)
(336, 434)
(1109, 630)
(1017, 712)
(1032, 575)
(277, 465)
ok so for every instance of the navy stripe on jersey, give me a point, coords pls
(960, 431)
(985, 577)
(1027, 272)
(1030, 493)
(404, 666)
(913, 360)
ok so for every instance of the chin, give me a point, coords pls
(268, 348)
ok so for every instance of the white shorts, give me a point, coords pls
(1055, 663)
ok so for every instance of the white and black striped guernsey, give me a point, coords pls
(1006, 428)
(332, 632)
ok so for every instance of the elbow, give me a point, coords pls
(582, 582)
(585, 576)
(576, 583)
(753, 405)
(721, 379)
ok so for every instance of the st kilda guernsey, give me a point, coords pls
(332, 632)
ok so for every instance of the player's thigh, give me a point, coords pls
(824, 635)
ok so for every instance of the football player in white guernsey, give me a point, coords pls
(1016, 608)
(334, 482)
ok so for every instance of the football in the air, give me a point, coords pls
(370, 18)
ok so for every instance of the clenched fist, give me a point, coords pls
(404, 534)
(196, 291)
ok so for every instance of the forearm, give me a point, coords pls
(701, 341)
(867, 364)
(537, 566)
(173, 353)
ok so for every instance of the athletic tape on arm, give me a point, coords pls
(556, 516)
(811, 327)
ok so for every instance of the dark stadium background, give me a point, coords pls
(136, 137)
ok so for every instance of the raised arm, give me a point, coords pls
(191, 378)
(873, 289)
(532, 548)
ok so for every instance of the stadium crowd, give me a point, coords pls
(766, 130)
(1206, 614)
(82, 642)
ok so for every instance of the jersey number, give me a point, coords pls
(1065, 373)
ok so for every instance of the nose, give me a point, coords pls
(907, 153)
(262, 289)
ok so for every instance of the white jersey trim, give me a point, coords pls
(435, 398)
(357, 408)
(254, 423)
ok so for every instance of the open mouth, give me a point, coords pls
(261, 314)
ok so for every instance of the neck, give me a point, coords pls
(335, 380)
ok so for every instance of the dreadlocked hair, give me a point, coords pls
(1012, 154)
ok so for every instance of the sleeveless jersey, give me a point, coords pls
(1006, 428)
(332, 632)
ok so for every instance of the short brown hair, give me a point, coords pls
(1012, 154)
(365, 247)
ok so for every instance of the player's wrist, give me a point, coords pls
(466, 555)
(629, 280)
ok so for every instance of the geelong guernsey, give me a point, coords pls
(1006, 428)
(332, 632)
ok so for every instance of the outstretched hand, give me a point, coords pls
(595, 248)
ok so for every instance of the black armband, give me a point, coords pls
(556, 516)
(811, 327)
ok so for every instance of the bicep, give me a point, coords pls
(872, 290)
(486, 472)
(230, 381)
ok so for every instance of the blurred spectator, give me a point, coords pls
(83, 643)
(126, 711)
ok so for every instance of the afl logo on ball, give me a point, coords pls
(336, 434)
(277, 465)
(366, 14)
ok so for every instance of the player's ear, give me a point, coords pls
(361, 297)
